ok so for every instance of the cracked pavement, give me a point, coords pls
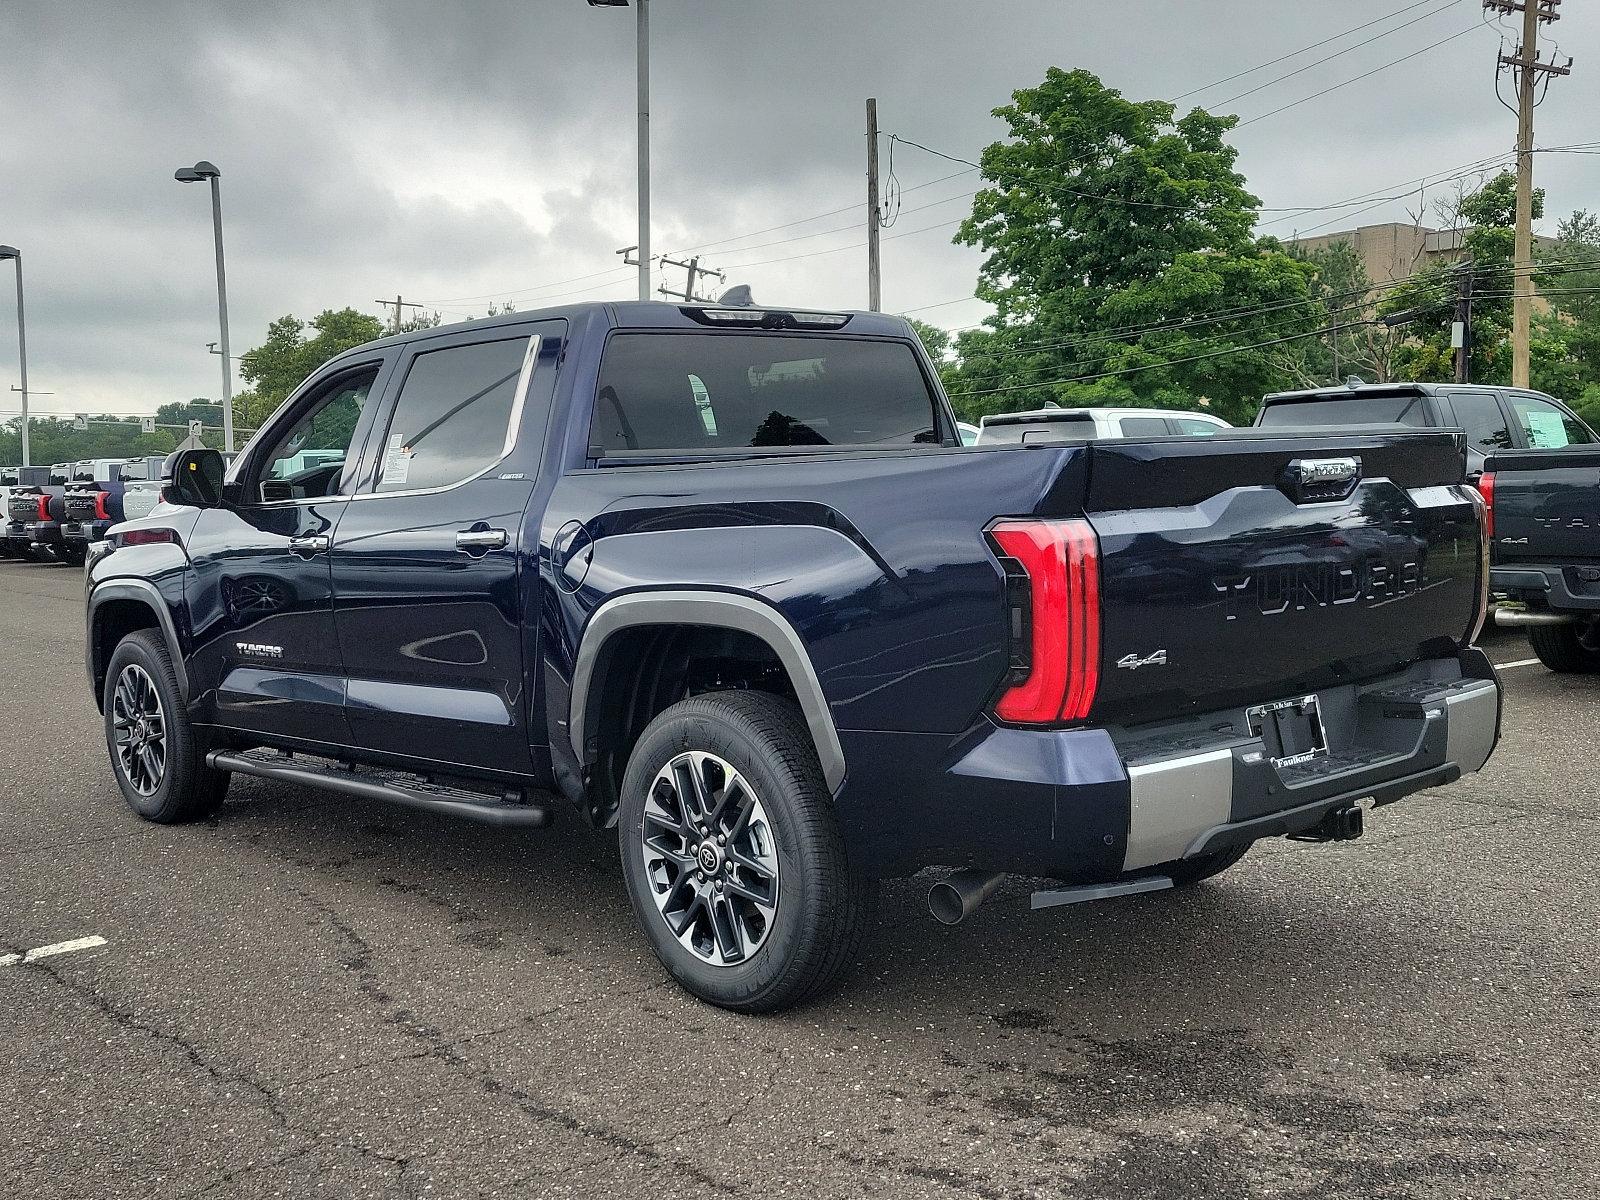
(317, 996)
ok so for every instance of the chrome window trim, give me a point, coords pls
(530, 358)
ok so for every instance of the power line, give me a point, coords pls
(1283, 108)
(1296, 53)
(1336, 54)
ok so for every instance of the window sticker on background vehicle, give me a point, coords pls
(1545, 430)
(396, 460)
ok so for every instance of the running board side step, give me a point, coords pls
(374, 783)
(1100, 891)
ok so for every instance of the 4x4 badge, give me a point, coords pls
(1132, 662)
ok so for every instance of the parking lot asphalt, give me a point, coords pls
(315, 996)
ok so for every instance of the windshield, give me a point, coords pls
(1347, 410)
(726, 391)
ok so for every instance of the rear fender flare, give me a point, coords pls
(727, 610)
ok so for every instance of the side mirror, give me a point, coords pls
(197, 478)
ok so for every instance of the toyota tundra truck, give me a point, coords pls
(34, 512)
(723, 580)
(1544, 521)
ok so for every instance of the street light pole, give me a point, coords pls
(204, 170)
(15, 255)
(644, 147)
(642, 15)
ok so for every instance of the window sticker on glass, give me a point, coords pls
(1545, 430)
(702, 401)
(396, 460)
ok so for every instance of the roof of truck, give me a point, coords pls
(650, 314)
(1344, 391)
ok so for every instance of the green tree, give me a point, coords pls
(292, 350)
(1488, 242)
(1107, 225)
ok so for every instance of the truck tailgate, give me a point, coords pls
(1250, 568)
(1546, 505)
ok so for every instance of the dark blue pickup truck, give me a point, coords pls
(1544, 513)
(724, 579)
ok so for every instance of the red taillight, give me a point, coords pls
(1055, 619)
(44, 508)
(146, 537)
(1486, 490)
(101, 512)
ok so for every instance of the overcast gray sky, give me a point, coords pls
(475, 150)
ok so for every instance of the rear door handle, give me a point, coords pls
(308, 546)
(481, 541)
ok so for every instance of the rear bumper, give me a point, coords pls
(84, 531)
(1094, 804)
(1561, 588)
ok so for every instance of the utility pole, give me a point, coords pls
(399, 303)
(874, 213)
(1461, 331)
(15, 255)
(1526, 68)
(695, 270)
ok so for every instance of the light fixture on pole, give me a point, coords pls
(15, 256)
(642, 8)
(204, 170)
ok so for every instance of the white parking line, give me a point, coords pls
(1521, 662)
(83, 943)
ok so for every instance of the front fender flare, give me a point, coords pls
(150, 596)
(726, 610)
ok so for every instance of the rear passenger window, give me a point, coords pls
(1193, 427)
(1480, 415)
(1144, 427)
(453, 419)
(1547, 427)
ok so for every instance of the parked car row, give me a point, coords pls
(53, 514)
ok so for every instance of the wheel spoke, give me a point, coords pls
(679, 920)
(762, 896)
(727, 929)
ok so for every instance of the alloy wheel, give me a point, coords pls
(711, 858)
(139, 729)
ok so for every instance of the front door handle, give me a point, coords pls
(481, 541)
(308, 546)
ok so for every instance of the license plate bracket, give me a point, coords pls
(1291, 730)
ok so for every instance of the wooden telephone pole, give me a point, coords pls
(874, 212)
(1526, 68)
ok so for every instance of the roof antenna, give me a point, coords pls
(738, 296)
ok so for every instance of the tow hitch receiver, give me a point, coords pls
(1339, 825)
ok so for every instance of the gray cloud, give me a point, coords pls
(485, 149)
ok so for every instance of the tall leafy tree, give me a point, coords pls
(1488, 241)
(292, 350)
(1121, 261)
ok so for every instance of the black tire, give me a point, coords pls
(1561, 650)
(1190, 871)
(823, 904)
(185, 789)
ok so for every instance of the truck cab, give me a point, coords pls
(1492, 417)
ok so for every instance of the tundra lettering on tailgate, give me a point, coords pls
(1275, 589)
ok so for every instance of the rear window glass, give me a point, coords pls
(1353, 410)
(1133, 427)
(1014, 433)
(726, 391)
(1547, 427)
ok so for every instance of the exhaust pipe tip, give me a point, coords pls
(954, 899)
